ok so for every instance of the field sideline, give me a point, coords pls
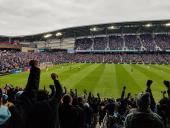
(107, 79)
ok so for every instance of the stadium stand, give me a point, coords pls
(100, 43)
(15, 60)
(83, 44)
(132, 42)
(163, 41)
(115, 42)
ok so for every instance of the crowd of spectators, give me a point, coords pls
(148, 42)
(100, 43)
(132, 42)
(32, 107)
(83, 44)
(10, 43)
(163, 41)
(13, 59)
(115, 43)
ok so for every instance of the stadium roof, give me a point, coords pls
(99, 29)
(28, 17)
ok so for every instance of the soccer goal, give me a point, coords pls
(46, 65)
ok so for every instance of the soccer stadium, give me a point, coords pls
(95, 74)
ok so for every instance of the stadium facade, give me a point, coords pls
(127, 31)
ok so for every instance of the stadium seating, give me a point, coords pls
(115, 43)
(163, 41)
(13, 59)
(83, 44)
(132, 42)
(100, 43)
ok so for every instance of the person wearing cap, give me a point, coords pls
(143, 117)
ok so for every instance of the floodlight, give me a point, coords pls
(93, 29)
(148, 25)
(167, 24)
(111, 27)
(59, 34)
(47, 35)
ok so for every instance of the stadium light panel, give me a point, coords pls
(59, 34)
(47, 35)
(167, 24)
(111, 27)
(93, 29)
(148, 25)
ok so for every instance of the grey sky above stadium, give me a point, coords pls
(24, 17)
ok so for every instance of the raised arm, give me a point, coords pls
(153, 103)
(59, 90)
(167, 84)
(34, 77)
(52, 91)
(123, 92)
(65, 90)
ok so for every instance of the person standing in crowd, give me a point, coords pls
(34, 76)
(33, 108)
(5, 114)
(68, 114)
(143, 117)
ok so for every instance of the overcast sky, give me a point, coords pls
(24, 17)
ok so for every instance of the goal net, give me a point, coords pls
(45, 65)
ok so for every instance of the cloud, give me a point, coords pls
(24, 17)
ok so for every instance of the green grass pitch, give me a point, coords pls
(107, 79)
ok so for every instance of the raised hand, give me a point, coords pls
(98, 94)
(54, 76)
(124, 87)
(149, 82)
(166, 83)
(52, 87)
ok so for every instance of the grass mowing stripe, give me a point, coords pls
(77, 78)
(66, 68)
(68, 73)
(106, 86)
(136, 85)
(152, 72)
(64, 74)
(157, 85)
(145, 70)
(161, 68)
(15, 79)
(117, 89)
(120, 82)
(124, 78)
(21, 78)
(159, 72)
(90, 81)
(138, 77)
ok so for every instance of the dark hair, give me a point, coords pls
(80, 100)
(143, 100)
(0, 93)
(33, 63)
(75, 101)
(67, 99)
(42, 95)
